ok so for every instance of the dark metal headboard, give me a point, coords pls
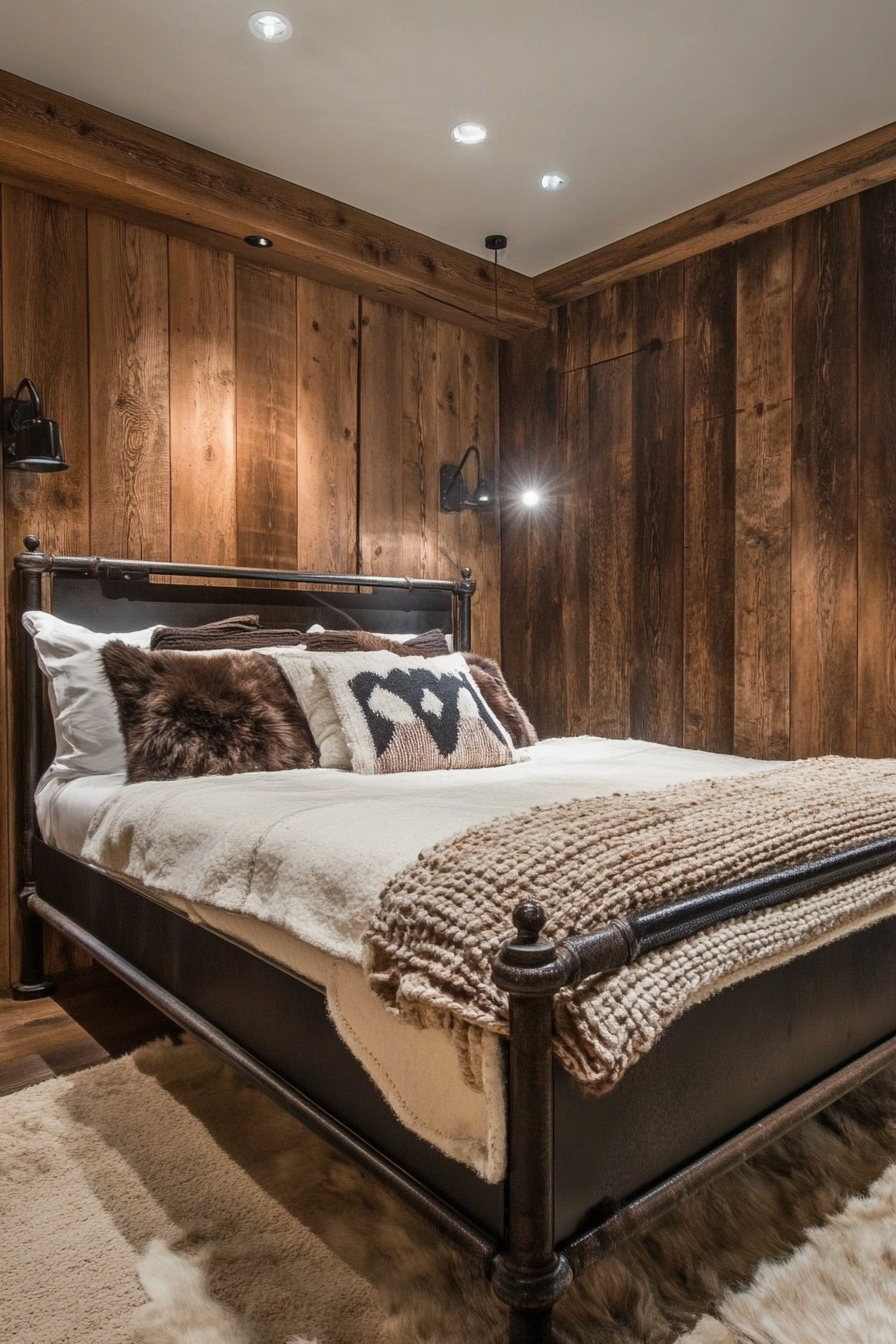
(119, 595)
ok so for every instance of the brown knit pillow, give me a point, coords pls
(501, 700)
(431, 644)
(226, 714)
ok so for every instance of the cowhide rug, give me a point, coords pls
(160, 1200)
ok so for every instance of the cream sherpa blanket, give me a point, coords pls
(431, 948)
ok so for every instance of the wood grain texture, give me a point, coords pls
(420, 444)
(130, 494)
(381, 474)
(8, 817)
(597, 328)
(101, 160)
(824, 634)
(709, 449)
(266, 371)
(327, 428)
(877, 476)
(814, 182)
(658, 475)
(611, 546)
(531, 578)
(763, 495)
(203, 405)
(45, 338)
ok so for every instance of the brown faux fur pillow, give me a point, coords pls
(501, 700)
(184, 715)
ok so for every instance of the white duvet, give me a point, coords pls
(308, 853)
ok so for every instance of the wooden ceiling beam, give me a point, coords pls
(855, 166)
(74, 152)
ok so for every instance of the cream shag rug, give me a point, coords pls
(160, 1200)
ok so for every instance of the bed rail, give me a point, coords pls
(532, 1273)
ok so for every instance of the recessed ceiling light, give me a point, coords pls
(258, 240)
(270, 26)
(469, 133)
(554, 181)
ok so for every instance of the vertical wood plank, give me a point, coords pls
(7, 759)
(45, 338)
(266, 371)
(709, 402)
(203, 404)
(421, 449)
(531, 577)
(763, 495)
(380, 512)
(611, 532)
(597, 328)
(657, 431)
(130, 500)
(824, 632)
(327, 428)
(877, 475)
(477, 543)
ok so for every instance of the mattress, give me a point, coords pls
(291, 866)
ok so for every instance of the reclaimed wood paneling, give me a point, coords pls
(762, 576)
(597, 328)
(531, 578)
(203, 405)
(327, 428)
(266, 371)
(709, 399)
(130, 463)
(210, 411)
(824, 633)
(44, 266)
(658, 477)
(877, 476)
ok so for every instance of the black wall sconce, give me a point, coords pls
(30, 443)
(453, 490)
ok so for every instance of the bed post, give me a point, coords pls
(464, 592)
(33, 983)
(529, 1275)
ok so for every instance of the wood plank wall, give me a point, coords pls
(718, 545)
(217, 411)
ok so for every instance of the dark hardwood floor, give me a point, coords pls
(91, 1017)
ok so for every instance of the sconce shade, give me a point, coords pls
(30, 443)
(453, 495)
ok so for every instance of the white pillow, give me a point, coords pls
(316, 704)
(85, 716)
(400, 714)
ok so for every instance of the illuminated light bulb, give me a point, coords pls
(269, 26)
(469, 133)
(554, 181)
(530, 498)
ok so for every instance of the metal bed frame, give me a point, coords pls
(528, 1265)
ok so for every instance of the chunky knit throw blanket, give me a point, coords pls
(430, 951)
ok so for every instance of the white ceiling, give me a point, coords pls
(651, 106)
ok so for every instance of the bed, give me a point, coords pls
(578, 1172)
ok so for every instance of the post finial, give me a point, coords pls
(32, 544)
(529, 920)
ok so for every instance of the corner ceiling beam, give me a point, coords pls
(861, 163)
(74, 152)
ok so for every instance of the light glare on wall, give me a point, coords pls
(530, 498)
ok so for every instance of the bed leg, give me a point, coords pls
(529, 1275)
(33, 983)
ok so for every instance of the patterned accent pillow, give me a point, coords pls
(402, 714)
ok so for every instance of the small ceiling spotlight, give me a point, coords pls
(258, 240)
(269, 26)
(530, 498)
(554, 181)
(469, 133)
